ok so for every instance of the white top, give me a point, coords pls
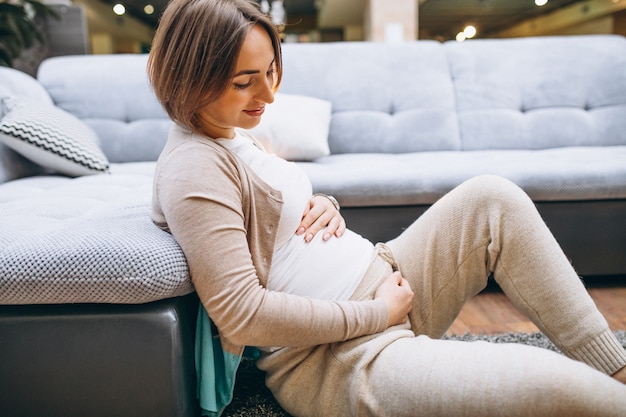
(316, 269)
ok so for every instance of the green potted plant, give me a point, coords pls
(18, 28)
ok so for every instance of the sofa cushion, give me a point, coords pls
(14, 83)
(391, 98)
(538, 93)
(565, 174)
(112, 95)
(295, 127)
(86, 240)
(51, 137)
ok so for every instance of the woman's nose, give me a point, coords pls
(266, 92)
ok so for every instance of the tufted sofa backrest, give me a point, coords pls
(392, 98)
(111, 93)
(538, 93)
(530, 93)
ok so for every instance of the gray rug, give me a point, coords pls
(253, 399)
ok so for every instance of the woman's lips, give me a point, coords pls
(255, 112)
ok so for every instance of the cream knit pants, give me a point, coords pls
(485, 226)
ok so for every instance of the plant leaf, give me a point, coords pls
(5, 58)
(18, 30)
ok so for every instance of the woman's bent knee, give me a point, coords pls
(494, 189)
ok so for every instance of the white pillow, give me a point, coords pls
(14, 83)
(295, 127)
(51, 137)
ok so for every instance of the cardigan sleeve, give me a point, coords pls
(201, 195)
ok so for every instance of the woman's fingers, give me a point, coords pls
(321, 214)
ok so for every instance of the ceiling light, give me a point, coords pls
(460, 37)
(148, 9)
(469, 31)
(541, 2)
(119, 9)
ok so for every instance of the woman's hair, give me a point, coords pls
(195, 50)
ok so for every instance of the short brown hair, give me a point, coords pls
(195, 49)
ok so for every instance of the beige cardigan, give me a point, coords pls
(224, 218)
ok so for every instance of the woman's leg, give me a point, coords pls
(485, 225)
(489, 225)
(427, 377)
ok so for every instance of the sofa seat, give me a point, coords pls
(87, 240)
(560, 174)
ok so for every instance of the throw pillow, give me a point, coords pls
(295, 127)
(51, 137)
(16, 83)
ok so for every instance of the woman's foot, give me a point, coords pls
(620, 375)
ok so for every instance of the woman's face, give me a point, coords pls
(252, 87)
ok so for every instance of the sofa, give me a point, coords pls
(97, 311)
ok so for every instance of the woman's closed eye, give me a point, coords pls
(271, 75)
(239, 86)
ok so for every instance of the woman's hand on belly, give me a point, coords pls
(398, 295)
(321, 213)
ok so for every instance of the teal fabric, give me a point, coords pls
(215, 369)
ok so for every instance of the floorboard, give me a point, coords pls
(491, 312)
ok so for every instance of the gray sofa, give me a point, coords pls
(97, 313)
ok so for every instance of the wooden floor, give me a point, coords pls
(491, 312)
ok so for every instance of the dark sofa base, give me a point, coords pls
(591, 233)
(99, 360)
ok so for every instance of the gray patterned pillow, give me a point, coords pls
(51, 137)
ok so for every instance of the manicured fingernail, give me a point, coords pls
(326, 236)
(308, 238)
(300, 231)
